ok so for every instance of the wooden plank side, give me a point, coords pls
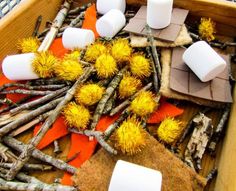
(20, 22)
(227, 166)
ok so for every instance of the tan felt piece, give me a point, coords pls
(183, 80)
(95, 174)
(170, 33)
(165, 83)
(182, 39)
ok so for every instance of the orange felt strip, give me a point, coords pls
(81, 144)
(57, 48)
(90, 19)
(165, 110)
(58, 130)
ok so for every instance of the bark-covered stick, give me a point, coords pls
(128, 100)
(27, 117)
(156, 83)
(57, 148)
(31, 124)
(42, 100)
(19, 186)
(21, 176)
(29, 167)
(25, 155)
(110, 104)
(6, 154)
(7, 102)
(79, 9)
(28, 92)
(154, 52)
(99, 137)
(30, 87)
(109, 91)
(113, 126)
(57, 23)
(218, 131)
(37, 154)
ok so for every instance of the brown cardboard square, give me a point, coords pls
(199, 89)
(169, 33)
(221, 86)
(177, 61)
(136, 25)
(225, 73)
(206, 90)
(166, 91)
(154, 32)
(179, 80)
(178, 16)
(142, 13)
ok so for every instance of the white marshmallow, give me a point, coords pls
(204, 61)
(110, 23)
(103, 6)
(131, 177)
(159, 13)
(19, 67)
(77, 38)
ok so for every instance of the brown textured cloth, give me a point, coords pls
(168, 92)
(95, 174)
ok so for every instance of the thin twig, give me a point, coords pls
(25, 155)
(27, 117)
(37, 154)
(109, 91)
(57, 149)
(128, 100)
(29, 167)
(29, 92)
(99, 137)
(42, 100)
(15, 186)
(37, 25)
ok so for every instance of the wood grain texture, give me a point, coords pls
(227, 169)
(20, 22)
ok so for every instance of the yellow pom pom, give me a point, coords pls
(128, 86)
(74, 55)
(43, 64)
(144, 104)
(89, 94)
(140, 66)
(169, 130)
(206, 29)
(94, 51)
(76, 115)
(121, 50)
(106, 66)
(68, 70)
(129, 137)
(30, 44)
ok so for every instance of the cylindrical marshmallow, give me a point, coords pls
(159, 13)
(77, 38)
(110, 23)
(103, 6)
(204, 61)
(131, 177)
(19, 67)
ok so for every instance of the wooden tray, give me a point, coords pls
(21, 21)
